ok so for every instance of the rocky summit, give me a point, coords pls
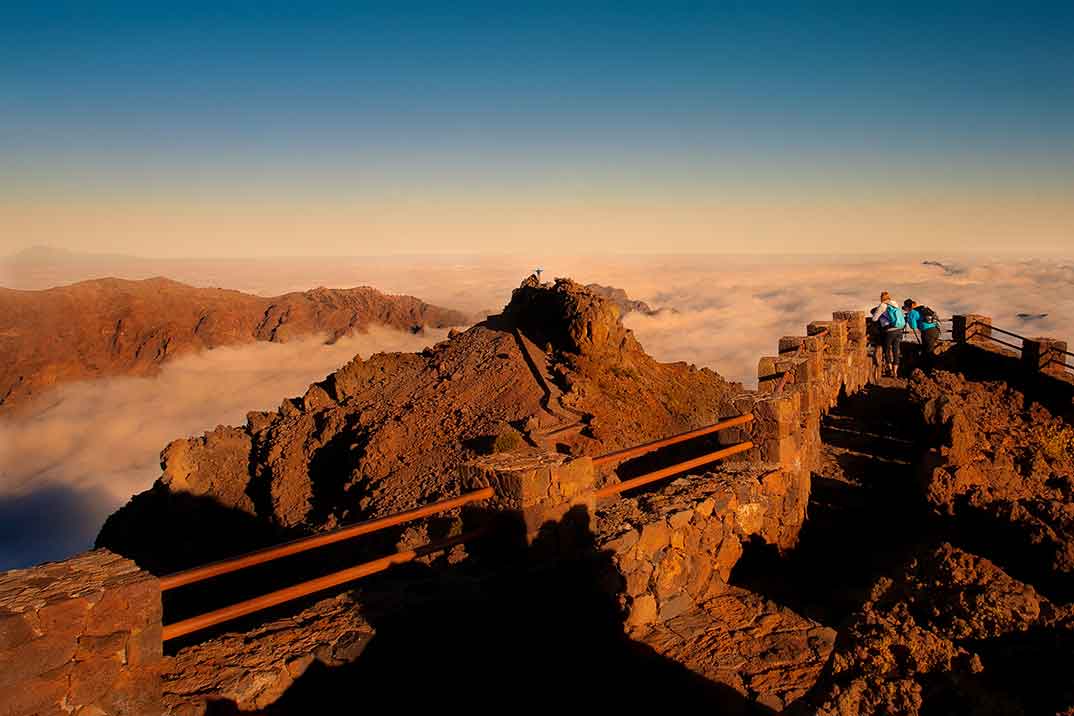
(556, 370)
(108, 327)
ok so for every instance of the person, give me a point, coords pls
(892, 323)
(924, 321)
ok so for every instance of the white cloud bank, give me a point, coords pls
(89, 446)
(728, 318)
(64, 469)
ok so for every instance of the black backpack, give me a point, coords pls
(927, 314)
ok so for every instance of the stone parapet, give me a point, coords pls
(251, 669)
(672, 550)
(835, 335)
(855, 321)
(82, 636)
(535, 486)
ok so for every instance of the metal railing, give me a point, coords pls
(302, 589)
(674, 439)
(287, 594)
(197, 574)
(675, 469)
(269, 554)
(1012, 334)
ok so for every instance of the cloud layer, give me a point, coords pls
(89, 446)
(63, 469)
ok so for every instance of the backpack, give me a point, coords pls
(895, 317)
(927, 314)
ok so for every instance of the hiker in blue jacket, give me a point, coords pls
(924, 321)
(892, 323)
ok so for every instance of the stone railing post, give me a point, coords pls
(837, 337)
(537, 490)
(775, 429)
(82, 636)
(1043, 355)
(859, 367)
(855, 321)
(970, 328)
(769, 374)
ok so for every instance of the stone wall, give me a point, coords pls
(833, 361)
(673, 549)
(81, 637)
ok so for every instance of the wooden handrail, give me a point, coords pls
(664, 442)
(197, 574)
(672, 470)
(280, 596)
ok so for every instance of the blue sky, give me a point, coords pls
(495, 102)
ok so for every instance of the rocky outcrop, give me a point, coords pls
(763, 651)
(108, 327)
(252, 669)
(952, 634)
(1006, 467)
(388, 433)
(620, 298)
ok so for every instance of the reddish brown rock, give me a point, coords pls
(953, 633)
(110, 326)
(389, 433)
(253, 669)
(765, 652)
(1004, 465)
(73, 638)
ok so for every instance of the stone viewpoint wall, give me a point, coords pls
(80, 637)
(674, 549)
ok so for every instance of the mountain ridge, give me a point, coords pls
(109, 326)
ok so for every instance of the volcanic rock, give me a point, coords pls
(388, 433)
(620, 298)
(953, 633)
(250, 670)
(758, 648)
(109, 326)
(1006, 467)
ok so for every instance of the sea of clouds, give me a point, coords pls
(87, 447)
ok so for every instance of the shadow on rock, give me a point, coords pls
(508, 625)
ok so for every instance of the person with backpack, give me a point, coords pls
(892, 323)
(924, 321)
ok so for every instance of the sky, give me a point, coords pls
(230, 129)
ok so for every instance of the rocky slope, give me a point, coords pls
(620, 298)
(107, 327)
(951, 634)
(1005, 468)
(556, 369)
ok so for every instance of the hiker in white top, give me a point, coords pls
(892, 322)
